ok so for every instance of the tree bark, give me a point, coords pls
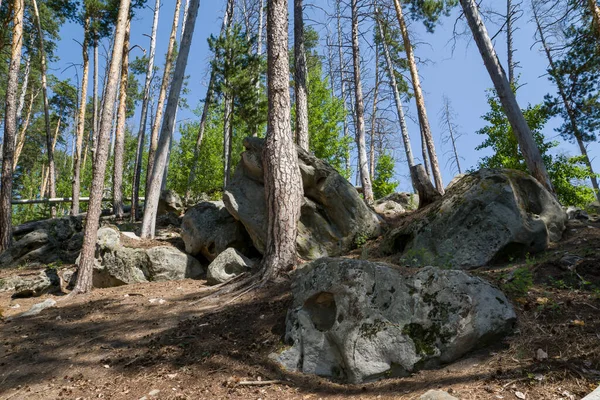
(155, 182)
(10, 126)
(360, 111)
(158, 119)
(90, 235)
(420, 101)
(374, 115)
(23, 130)
(24, 89)
(283, 188)
(120, 130)
(568, 106)
(448, 121)
(427, 193)
(398, 101)
(530, 151)
(95, 106)
(206, 108)
(76, 183)
(144, 117)
(300, 77)
(595, 10)
(342, 77)
(51, 169)
(509, 42)
(227, 139)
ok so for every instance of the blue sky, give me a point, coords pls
(460, 75)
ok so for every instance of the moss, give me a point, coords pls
(370, 330)
(423, 339)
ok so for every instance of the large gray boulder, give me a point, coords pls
(359, 321)
(333, 215)
(408, 201)
(485, 217)
(169, 202)
(168, 263)
(34, 285)
(227, 265)
(208, 229)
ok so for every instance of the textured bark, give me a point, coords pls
(90, 234)
(95, 108)
(49, 147)
(206, 108)
(300, 77)
(568, 106)
(530, 151)
(144, 117)
(10, 126)
(420, 101)
(398, 101)
(155, 182)
(120, 130)
(363, 166)
(509, 42)
(342, 76)
(374, 115)
(595, 10)
(76, 184)
(162, 95)
(227, 139)
(427, 193)
(283, 190)
(23, 130)
(24, 87)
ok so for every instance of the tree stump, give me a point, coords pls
(427, 193)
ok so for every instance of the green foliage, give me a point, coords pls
(384, 172)
(429, 11)
(566, 173)
(519, 284)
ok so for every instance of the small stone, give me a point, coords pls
(437, 395)
(541, 355)
(520, 395)
(39, 307)
(154, 392)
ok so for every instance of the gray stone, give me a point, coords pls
(108, 238)
(389, 209)
(39, 307)
(360, 321)
(120, 266)
(408, 201)
(208, 229)
(455, 180)
(168, 263)
(437, 395)
(594, 208)
(576, 213)
(227, 265)
(170, 202)
(486, 217)
(333, 215)
(46, 281)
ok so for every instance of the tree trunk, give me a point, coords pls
(398, 101)
(120, 130)
(206, 108)
(427, 193)
(283, 188)
(360, 111)
(530, 151)
(154, 185)
(23, 130)
(51, 169)
(342, 77)
(448, 120)
(227, 125)
(24, 89)
(76, 184)
(568, 106)
(300, 77)
(156, 126)
(90, 234)
(95, 107)
(421, 110)
(144, 117)
(595, 10)
(374, 116)
(509, 42)
(10, 126)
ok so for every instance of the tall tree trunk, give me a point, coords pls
(76, 183)
(51, 169)
(374, 116)
(283, 187)
(227, 139)
(530, 151)
(300, 77)
(206, 108)
(342, 77)
(162, 96)
(10, 126)
(155, 182)
(95, 106)
(24, 89)
(120, 129)
(509, 42)
(90, 234)
(363, 166)
(398, 101)
(259, 50)
(421, 110)
(595, 10)
(568, 106)
(23, 130)
(447, 117)
(144, 117)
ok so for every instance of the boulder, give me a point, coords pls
(208, 229)
(389, 209)
(437, 395)
(333, 215)
(577, 213)
(486, 217)
(168, 263)
(227, 265)
(408, 201)
(46, 281)
(170, 202)
(359, 321)
(455, 180)
(119, 266)
(594, 208)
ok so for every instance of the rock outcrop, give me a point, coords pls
(333, 214)
(227, 265)
(483, 218)
(170, 202)
(360, 321)
(208, 229)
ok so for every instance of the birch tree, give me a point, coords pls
(86, 261)
(155, 182)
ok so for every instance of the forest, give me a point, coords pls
(298, 199)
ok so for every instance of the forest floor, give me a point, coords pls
(158, 341)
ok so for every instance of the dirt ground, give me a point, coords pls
(161, 341)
